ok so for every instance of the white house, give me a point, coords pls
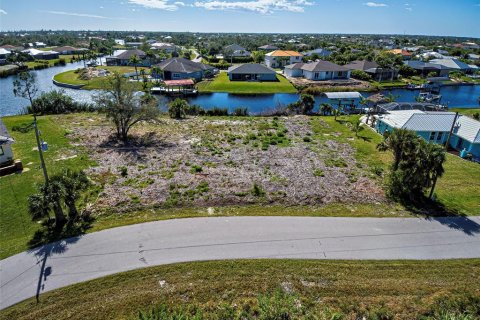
(119, 42)
(317, 71)
(165, 47)
(281, 58)
(234, 50)
(6, 154)
(4, 53)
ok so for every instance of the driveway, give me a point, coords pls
(107, 252)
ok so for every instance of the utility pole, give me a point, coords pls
(451, 130)
(39, 146)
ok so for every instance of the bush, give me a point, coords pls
(240, 112)
(361, 75)
(177, 109)
(257, 190)
(57, 102)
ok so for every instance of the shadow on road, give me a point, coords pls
(460, 223)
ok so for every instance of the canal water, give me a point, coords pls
(453, 96)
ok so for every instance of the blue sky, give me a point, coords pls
(439, 17)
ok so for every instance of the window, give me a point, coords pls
(439, 136)
(432, 136)
(1, 151)
(176, 75)
(316, 75)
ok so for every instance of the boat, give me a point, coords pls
(429, 97)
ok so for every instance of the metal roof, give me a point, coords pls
(343, 95)
(468, 129)
(434, 121)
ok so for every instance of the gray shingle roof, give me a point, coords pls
(249, 68)
(323, 66)
(182, 65)
(129, 53)
(361, 65)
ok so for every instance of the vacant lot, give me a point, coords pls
(218, 162)
(221, 83)
(352, 289)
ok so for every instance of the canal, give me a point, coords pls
(453, 96)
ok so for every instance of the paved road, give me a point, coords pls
(102, 253)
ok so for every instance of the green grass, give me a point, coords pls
(16, 227)
(51, 63)
(389, 84)
(221, 83)
(70, 77)
(466, 111)
(357, 289)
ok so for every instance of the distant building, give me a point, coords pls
(39, 44)
(322, 53)
(42, 55)
(317, 71)
(281, 58)
(4, 53)
(373, 69)
(453, 64)
(181, 68)
(425, 68)
(119, 42)
(473, 56)
(122, 58)
(268, 47)
(235, 51)
(251, 72)
(69, 50)
(165, 47)
(404, 53)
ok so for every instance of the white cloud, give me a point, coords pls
(179, 3)
(408, 9)
(375, 4)
(75, 14)
(155, 4)
(260, 6)
(3, 11)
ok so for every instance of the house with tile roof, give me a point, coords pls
(282, 58)
(317, 71)
(404, 53)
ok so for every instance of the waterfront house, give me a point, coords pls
(319, 70)
(181, 68)
(434, 127)
(281, 58)
(373, 69)
(425, 68)
(6, 154)
(11, 48)
(453, 64)
(42, 55)
(251, 72)
(122, 58)
(69, 50)
(235, 51)
(4, 53)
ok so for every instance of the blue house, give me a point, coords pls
(251, 72)
(434, 127)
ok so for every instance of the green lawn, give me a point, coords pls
(51, 63)
(71, 77)
(468, 112)
(352, 289)
(16, 227)
(221, 83)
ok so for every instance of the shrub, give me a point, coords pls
(361, 75)
(307, 139)
(196, 168)
(177, 109)
(123, 171)
(57, 102)
(257, 190)
(240, 112)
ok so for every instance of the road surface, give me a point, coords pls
(110, 251)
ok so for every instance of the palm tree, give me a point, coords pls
(135, 60)
(325, 109)
(357, 127)
(157, 72)
(401, 142)
(336, 113)
(436, 156)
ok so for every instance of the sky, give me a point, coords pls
(425, 17)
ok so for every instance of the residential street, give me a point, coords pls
(107, 252)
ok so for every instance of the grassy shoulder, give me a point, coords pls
(466, 111)
(16, 227)
(72, 77)
(354, 289)
(221, 83)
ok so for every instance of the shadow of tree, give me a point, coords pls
(437, 211)
(49, 240)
